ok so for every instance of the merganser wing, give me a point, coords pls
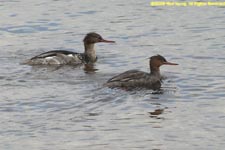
(54, 53)
(128, 75)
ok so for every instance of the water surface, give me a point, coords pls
(46, 108)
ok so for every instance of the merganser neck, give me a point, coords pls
(155, 71)
(90, 52)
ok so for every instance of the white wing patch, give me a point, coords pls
(70, 55)
(48, 58)
(52, 60)
(57, 60)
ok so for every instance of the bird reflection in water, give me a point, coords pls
(90, 68)
(156, 113)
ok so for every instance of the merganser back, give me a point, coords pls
(63, 57)
(138, 79)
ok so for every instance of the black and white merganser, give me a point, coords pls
(63, 57)
(138, 79)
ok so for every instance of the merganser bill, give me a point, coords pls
(63, 57)
(138, 79)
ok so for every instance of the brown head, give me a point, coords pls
(92, 38)
(156, 61)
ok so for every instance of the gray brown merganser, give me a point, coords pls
(63, 57)
(138, 79)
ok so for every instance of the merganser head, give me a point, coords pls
(93, 37)
(156, 61)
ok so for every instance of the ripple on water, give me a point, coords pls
(30, 28)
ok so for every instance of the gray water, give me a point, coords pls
(67, 108)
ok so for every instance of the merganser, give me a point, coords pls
(63, 57)
(138, 79)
